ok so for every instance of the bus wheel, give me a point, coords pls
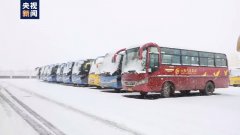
(99, 87)
(209, 89)
(185, 92)
(117, 90)
(168, 90)
(143, 94)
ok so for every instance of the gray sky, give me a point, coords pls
(76, 29)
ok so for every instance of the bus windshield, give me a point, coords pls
(131, 61)
(67, 68)
(50, 69)
(76, 67)
(43, 70)
(60, 69)
(96, 64)
(108, 66)
(54, 70)
(84, 69)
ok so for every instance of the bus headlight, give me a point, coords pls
(143, 81)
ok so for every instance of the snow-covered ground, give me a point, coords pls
(32, 107)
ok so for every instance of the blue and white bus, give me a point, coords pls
(52, 73)
(111, 69)
(80, 72)
(67, 73)
(59, 78)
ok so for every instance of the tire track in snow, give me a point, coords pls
(34, 124)
(92, 116)
(3, 104)
(37, 116)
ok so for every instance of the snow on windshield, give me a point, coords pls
(53, 69)
(43, 70)
(60, 68)
(77, 66)
(96, 65)
(67, 68)
(108, 66)
(131, 61)
(50, 69)
(47, 70)
(37, 70)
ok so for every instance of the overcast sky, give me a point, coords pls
(76, 29)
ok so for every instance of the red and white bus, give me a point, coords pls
(151, 68)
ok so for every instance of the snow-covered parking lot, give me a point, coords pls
(29, 107)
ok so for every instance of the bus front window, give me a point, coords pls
(85, 67)
(96, 65)
(67, 68)
(132, 63)
(59, 70)
(76, 67)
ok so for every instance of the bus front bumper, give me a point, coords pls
(110, 82)
(80, 80)
(136, 86)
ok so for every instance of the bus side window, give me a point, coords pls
(170, 56)
(220, 60)
(166, 59)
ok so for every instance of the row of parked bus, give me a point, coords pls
(102, 72)
(145, 68)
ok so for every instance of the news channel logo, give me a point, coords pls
(29, 9)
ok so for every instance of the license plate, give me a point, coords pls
(130, 89)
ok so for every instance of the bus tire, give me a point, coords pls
(209, 89)
(143, 94)
(117, 90)
(99, 87)
(185, 92)
(167, 90)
